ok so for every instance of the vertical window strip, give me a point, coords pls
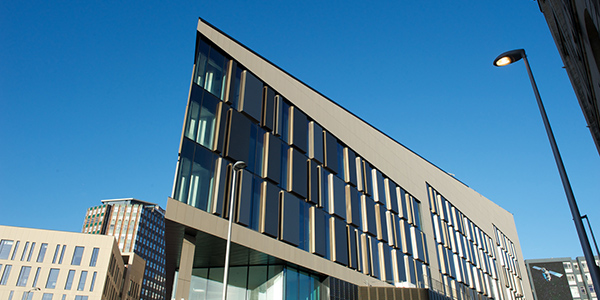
(42, 252)
(94, 257)
(24, 251)
(62, 254)
(56, 253)
(15, 251)
(23, 276)
(93, 282)
(31, 251)
(82, 279)
(70, 277)
(5, 274)
(35, 279)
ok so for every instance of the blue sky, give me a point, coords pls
(93, 95)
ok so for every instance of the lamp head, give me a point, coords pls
(239, 165)
(509, 57)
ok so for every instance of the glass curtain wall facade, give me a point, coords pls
(138, 227)
(302, 185)
(324, 185)
(268, 282)
(469, 259)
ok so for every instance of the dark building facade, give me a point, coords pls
(327, 206)
(575, 27)
(138, 226)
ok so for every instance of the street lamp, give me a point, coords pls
(32, 290)
(510, 57)
(236, 167)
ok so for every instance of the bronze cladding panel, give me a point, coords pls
(350, 159)
(352, 206)
(272, 158)
(313, 182)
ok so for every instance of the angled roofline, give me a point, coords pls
(322, 95)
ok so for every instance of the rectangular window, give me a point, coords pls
(31, 251)
(192, 120)
(93, 282)
(416, 205)
(10, 295)
(55, 253)
(79, 297)
(24, 251)
(342, 164)
(202, 57)
(23, 276)
(62, 254)
(35, 279)
(216, 74)
(27, 295)
(15, 252)
(5, 247)
(42, 253)
(82, 279)
(70, 278)
(77, 254)
(52, 277)
(94, 257)
(47, 296)
(5, 274)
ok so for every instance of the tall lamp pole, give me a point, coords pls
(510, 57)
(236, 167)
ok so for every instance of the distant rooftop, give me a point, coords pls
(132, 201)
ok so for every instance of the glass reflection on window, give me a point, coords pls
(206, 123)
(195, 178)
(201, 60)
(201, 121)
(5, 247)
(215, 74)
(211, 70)
(254, 282)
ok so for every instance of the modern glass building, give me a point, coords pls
(138, 227)
(328, 206)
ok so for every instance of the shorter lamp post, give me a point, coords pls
(236, 167)
(32, 290)
(508, 58)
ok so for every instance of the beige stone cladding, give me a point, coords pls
(56, 265)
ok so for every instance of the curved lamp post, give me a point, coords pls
(510, 57)
(236, 167)
(32, 290)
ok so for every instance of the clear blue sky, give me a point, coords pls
(93, 95)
